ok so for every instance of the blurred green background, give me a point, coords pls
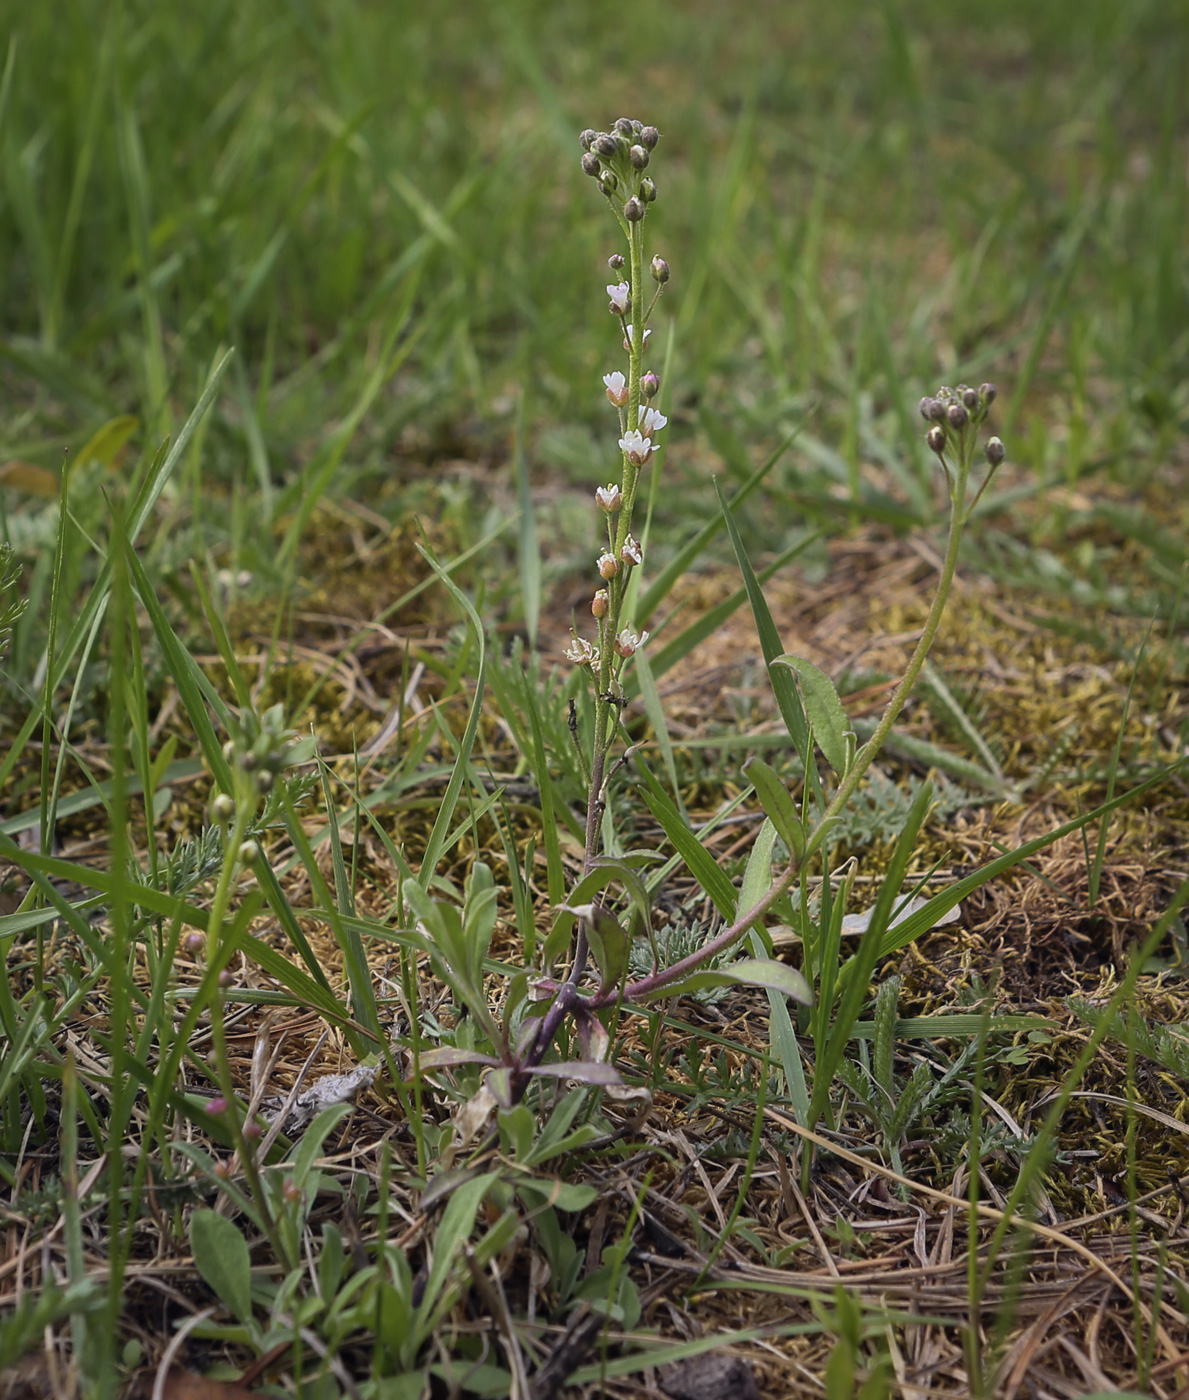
(379, 205)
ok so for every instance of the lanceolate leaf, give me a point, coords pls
(750, 972)
(827, 718)
(609, 943)
(777, 802)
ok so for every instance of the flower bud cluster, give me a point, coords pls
(258, 753)
(955, 415)
(617, 160)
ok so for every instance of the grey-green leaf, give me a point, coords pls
(750, 972)
(827, 718)
(221, 1257)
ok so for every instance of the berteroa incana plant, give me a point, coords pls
(587, 938)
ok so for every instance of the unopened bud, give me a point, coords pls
(615, 261)
(638, 157)
(649, 136)
(604, 145)
(265, 781)
(591, 164)
(600, 603)
(649, 385)
(226, 978)
(229, 751)
(995, 451)
(957, 416)
(253, 1132)
(249, 853)
(194, 942)
(222, 1170)
(223, 807)
(647, 190)
(926, 408)
(587, 138)
(609, 182)
(216, 1106)
(291, 1191)
(970, 399)
(633, 210)
(660, 270)
(935, 437)
(988, 393)
(624, 126)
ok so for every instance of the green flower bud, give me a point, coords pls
(265, 781)
(649, 136)
(604, 145)
(660, 271)
(587, 139)
(223, 807)
(624, 126)
(591, 164)
(609, 181)
(995, 451)
(249, 853)
(638, 157)
(988, 393)
(633, 210)
(647, 190)
(649, 385)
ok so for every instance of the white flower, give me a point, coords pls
(636, 447)
(621, 298)
(627, 336)
(580, 652)
(609, 497)
(631, 553)
(617, 388)
(608, 565)
(651, 421)
(628, 643)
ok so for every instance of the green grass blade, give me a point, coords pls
(529, 550)
(701, 864)
(693, 550)
(437, 837)
(783, 686)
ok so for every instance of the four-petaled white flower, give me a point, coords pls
(617, 388)
(631, 553)
(609, 497)
(628, 643)
(636, 447)
(580, 652)
(627, 336)
(651, 421)
(621, 298)
(608, 565)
